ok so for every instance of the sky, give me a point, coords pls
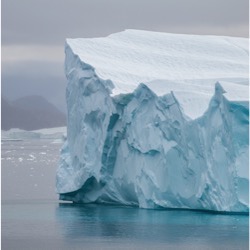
(34, 33)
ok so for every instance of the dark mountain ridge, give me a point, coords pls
(30, 113)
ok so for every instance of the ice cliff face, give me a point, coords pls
(157, 120)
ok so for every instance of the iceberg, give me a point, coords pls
(16, 134)
(157, 120)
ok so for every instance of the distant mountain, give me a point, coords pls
(30, 113)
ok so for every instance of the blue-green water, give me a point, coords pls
(50, 225)
(32, 217)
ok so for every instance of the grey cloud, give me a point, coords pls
(44, 21)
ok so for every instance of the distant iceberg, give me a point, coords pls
(58, 134)
(157, 120)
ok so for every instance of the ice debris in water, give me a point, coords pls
(157, 120)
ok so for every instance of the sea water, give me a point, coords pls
(34, 218)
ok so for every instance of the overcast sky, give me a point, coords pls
(34, 31)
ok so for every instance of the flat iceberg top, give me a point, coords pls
(188, 65)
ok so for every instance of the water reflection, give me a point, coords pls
(82, 222)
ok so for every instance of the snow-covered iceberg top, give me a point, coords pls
(157, 120)
(189, 65)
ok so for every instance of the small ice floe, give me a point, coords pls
(31, 168)
(20, 159)
(42, 153)
(32, 157)
(8, 158)
(56, 141)
(35, 185)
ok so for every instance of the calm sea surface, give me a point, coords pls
(33, 218)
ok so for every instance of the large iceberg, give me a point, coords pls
(157, 120)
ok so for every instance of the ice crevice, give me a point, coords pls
(143, 148)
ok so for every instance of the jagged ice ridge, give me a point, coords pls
(157, 120)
